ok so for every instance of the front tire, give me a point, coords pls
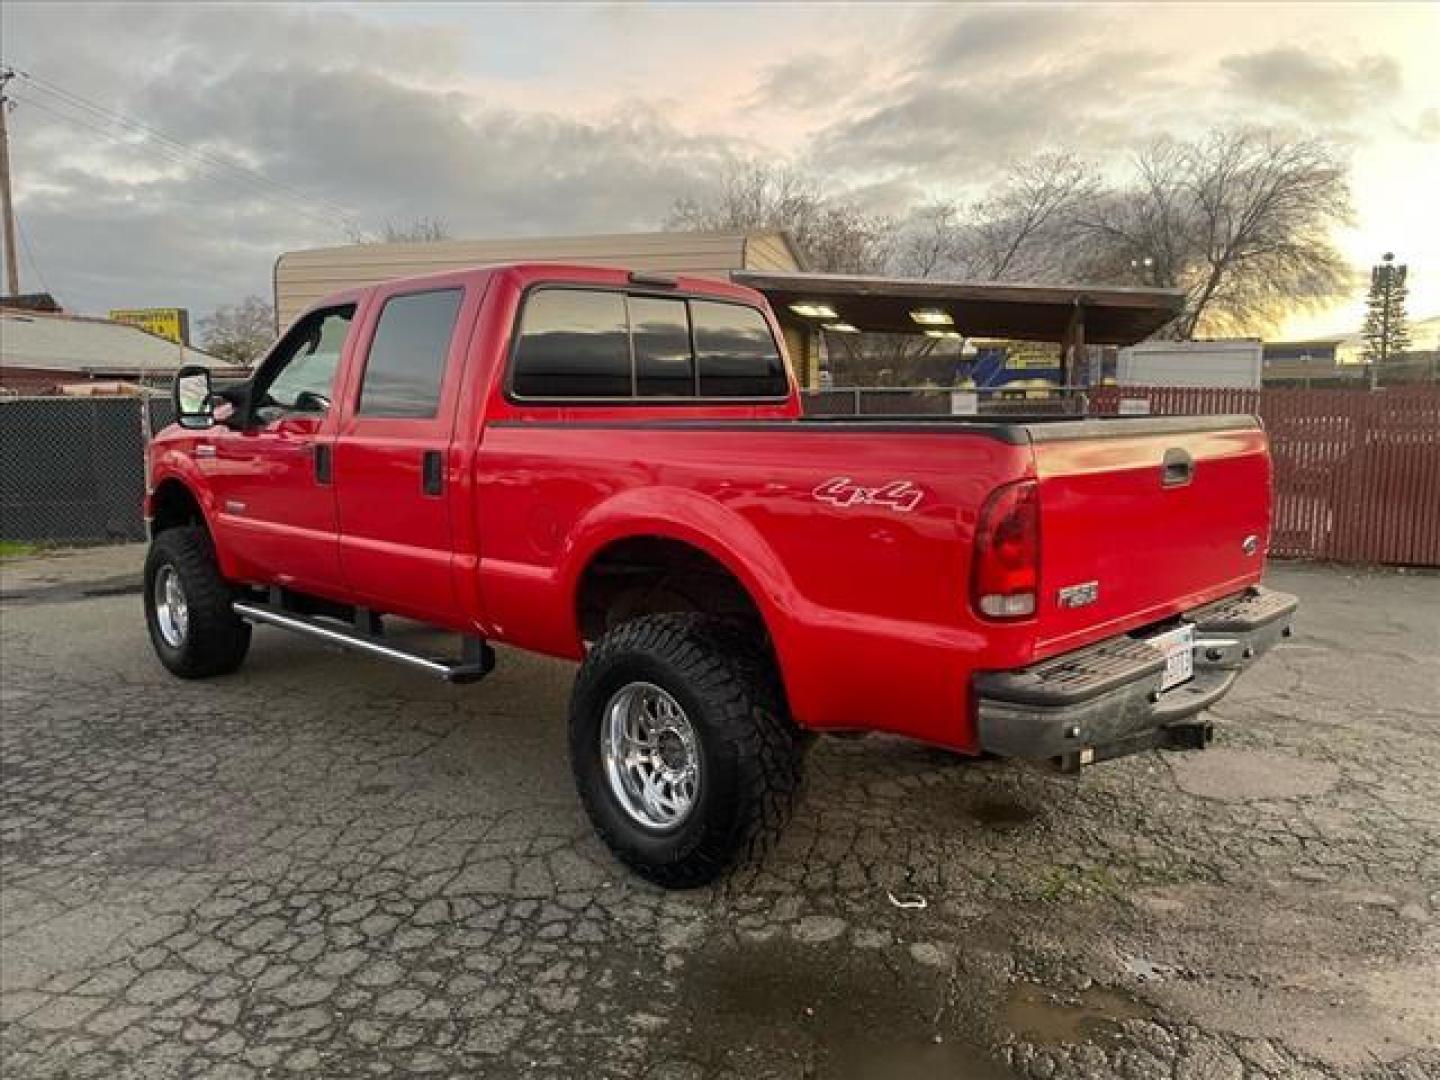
(195, 632)
(683, 753)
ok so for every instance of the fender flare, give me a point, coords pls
(704, 523)
(174, 467)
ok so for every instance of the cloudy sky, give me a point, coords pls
(532, 120)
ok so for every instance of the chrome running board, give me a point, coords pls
(477, 662)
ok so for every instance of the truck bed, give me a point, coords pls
(1033, 427)
(846, 567)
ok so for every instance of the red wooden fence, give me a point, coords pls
(1357, 472)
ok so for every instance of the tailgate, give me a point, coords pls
(1159, 515)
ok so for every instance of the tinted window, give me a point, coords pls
(736, 352)
(407, 356)
(305, 363)
(573, 343)
(660, 332)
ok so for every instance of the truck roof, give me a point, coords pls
(531, 272)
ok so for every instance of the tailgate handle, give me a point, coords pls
(1178, 469)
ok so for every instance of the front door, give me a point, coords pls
(393, 469)
(275, 503)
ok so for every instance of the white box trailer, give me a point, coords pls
(1191, 363)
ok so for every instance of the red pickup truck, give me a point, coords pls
(613, 467)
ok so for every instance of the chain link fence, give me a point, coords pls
(1356, 472)
(72, 469)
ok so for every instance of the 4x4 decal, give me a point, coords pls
(899, 495)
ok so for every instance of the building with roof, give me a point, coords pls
(41, 352)
(809, 306)
(1325, 360)
(1340, 360)
(304, 277)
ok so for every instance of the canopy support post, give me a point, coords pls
(1073, 345)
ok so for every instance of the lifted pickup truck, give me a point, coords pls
(613, 467)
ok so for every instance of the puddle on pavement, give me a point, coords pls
(1000, 814)
(1036, 1015)
(839, 1014)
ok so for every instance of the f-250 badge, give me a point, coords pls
(1073, 596)
(899, 495)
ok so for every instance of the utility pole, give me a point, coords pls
(1385, 332)
(7, 205)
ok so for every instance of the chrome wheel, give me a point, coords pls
(172, 614)
(651, 755)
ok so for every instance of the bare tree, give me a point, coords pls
(1241, 221)
(1022, 229)
(933, 240)
(834, 236)
(239, 333)
(420, 230)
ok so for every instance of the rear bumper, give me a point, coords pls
(1104, 701)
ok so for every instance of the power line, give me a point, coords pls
(174, 150)
(164, 152)
(170, 156)
(30, 254)
(114, 116)
(180, 197)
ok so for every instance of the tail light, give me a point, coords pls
(1006, 581)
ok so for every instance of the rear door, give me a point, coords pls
(1143, 519)
(393, 466)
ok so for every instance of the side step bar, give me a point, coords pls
(477, 662)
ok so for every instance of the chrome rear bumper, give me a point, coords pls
(1104, 701)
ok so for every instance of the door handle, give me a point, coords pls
(1178, 468)
(324, 463)
(431, 474)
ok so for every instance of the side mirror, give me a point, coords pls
(193, 400)
(311, 402)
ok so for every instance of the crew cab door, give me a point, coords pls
(393, 469)
(276, 506)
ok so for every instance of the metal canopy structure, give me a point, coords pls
(1069, 314)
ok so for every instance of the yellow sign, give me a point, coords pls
(172, 324)
(1027, 355)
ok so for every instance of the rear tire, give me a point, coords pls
(713, 769)
(195, 632)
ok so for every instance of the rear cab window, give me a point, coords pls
(581, 345)
(573, 343)
(735, 352)
(660, 338)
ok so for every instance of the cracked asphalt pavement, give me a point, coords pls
(324, 866)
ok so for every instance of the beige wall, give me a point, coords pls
(305, 277)
(802, 343)
(770, 251)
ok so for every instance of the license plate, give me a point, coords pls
(1178, 648)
